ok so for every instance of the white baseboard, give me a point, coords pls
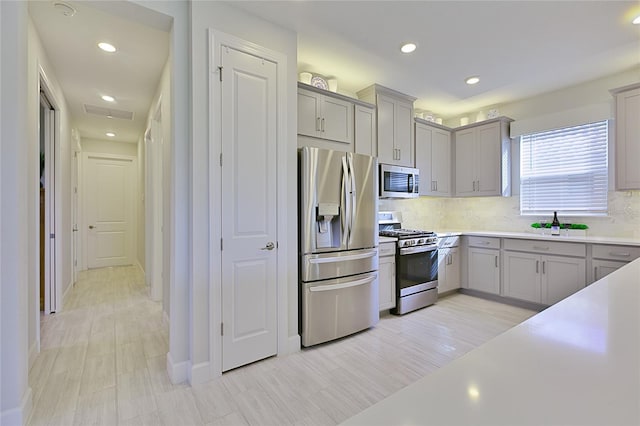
(140, 266)
(34, 350)
(200, 373)
(293, 344)
(65, 295)
(19, 415)
(178, 371)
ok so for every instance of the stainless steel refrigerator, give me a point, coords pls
(338, 244)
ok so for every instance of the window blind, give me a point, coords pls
(565, 170)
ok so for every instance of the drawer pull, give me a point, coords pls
(486, 243)
(619, 254)
(540, 248)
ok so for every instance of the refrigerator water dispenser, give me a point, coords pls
(324, 233)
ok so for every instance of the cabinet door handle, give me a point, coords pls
(478, 185)
(399, 154)
(543, 262)
(322, 125)
(436, 182)
(619, 254)
(496, 261)
(595, 273)
(537, 266)
(317, 124)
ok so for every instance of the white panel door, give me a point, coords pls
(109, 206)
(249, 137)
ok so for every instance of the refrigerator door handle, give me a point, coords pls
(334, 259)
(343, 285)
(346, 209)
(353, 204)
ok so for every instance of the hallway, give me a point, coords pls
(103, 362)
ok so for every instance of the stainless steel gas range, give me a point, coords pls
(416, 264)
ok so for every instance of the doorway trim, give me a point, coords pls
(217, 41)
(54, 302)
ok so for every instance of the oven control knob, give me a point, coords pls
(407, 243)
(420, 241)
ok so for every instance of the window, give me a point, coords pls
(565, 170)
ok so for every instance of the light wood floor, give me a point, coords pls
(103, 361)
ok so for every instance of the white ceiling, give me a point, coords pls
(518, 48)
(131, 75)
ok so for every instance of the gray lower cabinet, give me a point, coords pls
(607, 258)
(542, 279)
(484, 270)
(387, 276)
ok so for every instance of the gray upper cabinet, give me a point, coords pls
(627, 137)
(433, 158)
(483, 159)
(324, 117)
(395, 124)
(366, 130)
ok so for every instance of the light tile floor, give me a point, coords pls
(103, 359)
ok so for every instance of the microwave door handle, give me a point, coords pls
(345, 201)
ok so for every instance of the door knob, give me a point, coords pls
(269, 246)
(91, 226)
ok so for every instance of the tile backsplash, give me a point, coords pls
(503, 214)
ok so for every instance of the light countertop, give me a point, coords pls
(546, 237)
(577, 362)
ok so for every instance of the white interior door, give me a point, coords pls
(109, 197)
(248, 208)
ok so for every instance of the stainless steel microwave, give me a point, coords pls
(398, 182)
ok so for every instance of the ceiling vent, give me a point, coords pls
(108, 112)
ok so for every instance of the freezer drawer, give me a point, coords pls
(325, 266)
(335, 308)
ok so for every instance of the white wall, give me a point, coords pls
(15, 394)
(225, 18)
(176, 214)
(39, 66)
(157, 179)
(109, 147)
(140, 220)
(593, 92)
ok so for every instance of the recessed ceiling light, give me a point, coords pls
(408, 47)
(636, 21)
(108, 98)
(110, 134)
(107, 47)
(472, 80)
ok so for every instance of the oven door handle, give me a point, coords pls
(417, 249)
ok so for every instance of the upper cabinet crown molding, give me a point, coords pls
(627, 136)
